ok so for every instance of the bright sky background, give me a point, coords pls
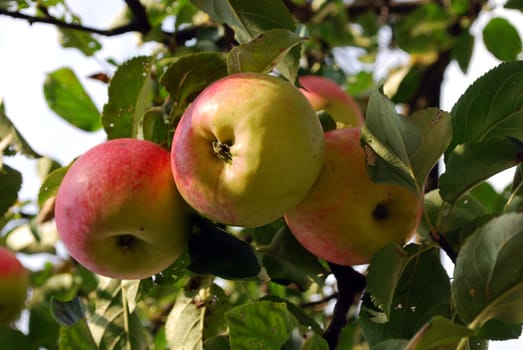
(28, 53)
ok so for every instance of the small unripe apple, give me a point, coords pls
(347, 217)
(247, 150)
(14, 282)
(325, 94)
(118, 211)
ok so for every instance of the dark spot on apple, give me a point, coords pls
(380, 212)
(222, 150)
(126, 241)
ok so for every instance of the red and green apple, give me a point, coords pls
(14, 283)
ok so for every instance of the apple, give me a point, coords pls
(325, 94)
(118, 211)
(14, 282)
(347, 217)
(247, 150)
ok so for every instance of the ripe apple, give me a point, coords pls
(14, 282)
(325, 94)
(347, 217)
(118, 211)
(247, 150)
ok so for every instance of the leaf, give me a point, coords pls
(76, 337)
(80, 40)
(304, 320)
(11, 141)
(492, 107)
(68, 312)
(190, 74)
(498, 330)
(220, 342)
(462, 50)
(411, 303)
(316, 342)
(14, 339)
(67, 97)
(514, 5)
(499, 30)
(10, 184)
(50, 185)
(130, 96)
(262, 53)
(259, 325)
(488, 278)
(155, 127)
(216, 252)
(469, 164)
(439, 332)
(288, 261)
(403, 150)
(111, 326)
(184, 325)
(391, 344)
(248, 18)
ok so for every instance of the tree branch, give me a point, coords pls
(140, 23)
(350, 284)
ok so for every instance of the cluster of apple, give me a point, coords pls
(248, 150)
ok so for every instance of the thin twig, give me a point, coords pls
(140, 23)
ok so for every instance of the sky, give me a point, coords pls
(29, 52)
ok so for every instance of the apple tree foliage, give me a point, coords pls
(258, 288)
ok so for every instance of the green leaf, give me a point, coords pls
(411, 303)
(216, 252)
(10, 184)
(316, 342)
(155, 126)
(288, 261)
(262, 53)
(80, 40)
(76, 337)
(67, 97)
(304, 320)
(259, 325)
(498, 330)
(514, 5)
(469, 164)
(190, 74)
(437, 333)
(488, 280)
(462, 50)
(130, 96)
(492, 107)
(248, 18)
(502, 39)
(391, 344)
(111, 325)
(220, 342)
(184, 325)
(403, 150)
(14, 339)
(50, 185)
(11, 140)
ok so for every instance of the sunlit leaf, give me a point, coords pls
(67, 97)
(81, 40)
(130, 96)
(262, 53)
(50, 185)
(488, 275)
(439, 332)
(400, 149)
(184, 326)
(76, 337)
(248, 18)
(262, 324)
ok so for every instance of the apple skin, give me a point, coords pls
(347, 217)
(14, 283)
(247, 150)
(118, 211)
(325, 94)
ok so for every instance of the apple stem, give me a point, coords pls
(222, 151)
(350, 285)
